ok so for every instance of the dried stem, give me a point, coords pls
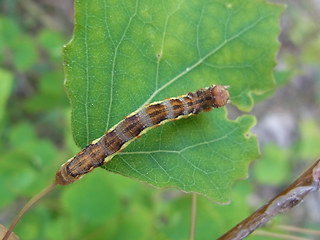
(193, 216)
(298, 230)
(290, 197)
(26, 207)
(278, 235)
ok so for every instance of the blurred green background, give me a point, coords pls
(35, 139)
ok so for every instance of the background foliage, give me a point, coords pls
(36, 138)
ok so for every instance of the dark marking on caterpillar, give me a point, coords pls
(101, 150)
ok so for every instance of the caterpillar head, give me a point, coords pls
(220, 95)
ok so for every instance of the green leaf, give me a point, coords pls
(35, 158)
(212, 220)
(21, 134)
(128, 229)
(21, 48)
(9, 196)
(308, 146)
(9, 33)
(34, 223)
(273, 168)
(5, 90)
(24, 53)
(52, 42)
(77, 199)
(125, 54)
(16, 179)
(50, 93)
(281, 78)
(122, 203)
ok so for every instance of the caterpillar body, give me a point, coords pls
(103, 149)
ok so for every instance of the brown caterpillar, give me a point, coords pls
(101, 150)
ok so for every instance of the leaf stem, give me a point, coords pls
(193, 216)
(26, 207)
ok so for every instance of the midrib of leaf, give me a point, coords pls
(201, 60)
(87, 75)
(114, 63)
(162, 43)
(198, 25)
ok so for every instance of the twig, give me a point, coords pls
(29, 204)
(193, 216)
(278, 235)
(298, 230)
(290, 197)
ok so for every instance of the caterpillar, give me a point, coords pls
(103, 149)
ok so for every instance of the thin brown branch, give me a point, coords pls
(193, 216)
(29, 204)
(290, 197)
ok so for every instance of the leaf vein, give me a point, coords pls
(201, 60)
(114, 64)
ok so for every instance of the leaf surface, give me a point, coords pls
(125, 54)
(5, 90)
